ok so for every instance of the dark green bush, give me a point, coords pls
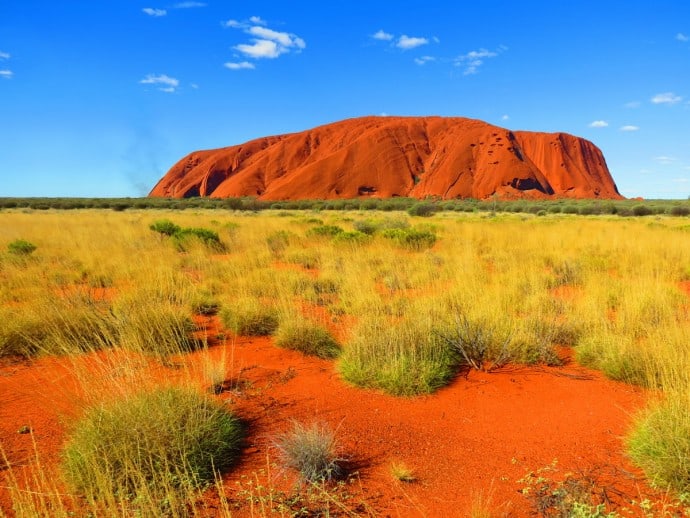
(411, 238)
(210, 238)
(308, 338)
(21, 247)
(325, 231)
(424, 209)
(642, 210)
(165, 227)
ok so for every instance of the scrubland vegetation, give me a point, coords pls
(398, 303)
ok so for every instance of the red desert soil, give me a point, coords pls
(383, 157)
(477, 437)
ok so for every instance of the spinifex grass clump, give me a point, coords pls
(307, 337)
(402, 358)
(660, 443)
(165, 227)
(249, 317)
(311, 450)
(150, 446)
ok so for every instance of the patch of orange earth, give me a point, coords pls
(481, 434)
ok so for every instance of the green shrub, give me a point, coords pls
(680, 210)
(278, 241)
(325, 231)
(311, 451)
(423, 209)
(249, 317)
(210, 238)
(354, 238)
(367, 226)
(148, 444)
(478, 343)
(411, 238)
(308, 338)
(165, 227)
(642, 210)
(660, 443)
(21, 247)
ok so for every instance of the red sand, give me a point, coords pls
(384, 157)
(478, 436)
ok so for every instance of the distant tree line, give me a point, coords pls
(414, 206)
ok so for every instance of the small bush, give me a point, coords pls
(165, 227)
(311, 451)
(660, 443)
(642, 210)
(325, 231)
(146, 445)
(480, 344)
(367, 226)
(210, 238)
(21, 247)
(411, 238)
(423, 209)
(248, 317)
(353, 238)
(680, 210)
(308, 338)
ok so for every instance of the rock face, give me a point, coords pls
(397, 156)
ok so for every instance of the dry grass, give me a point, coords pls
(102, 280)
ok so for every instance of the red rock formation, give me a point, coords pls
(397, 156)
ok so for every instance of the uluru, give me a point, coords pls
(383, 157)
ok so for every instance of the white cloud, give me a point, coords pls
(283, 38)
(475, 58)
(665, 159)
(406, 42)
(243, 65)
(5, 55)
(7, 74)
(194, 86)
(680, 180)
(633, 104)
(629, 127)
(267, 43)
(424, 60)
(382, 35)
(682, 37)
(261, 49)
(598, 124)
(188, 5)
(505, 118)
(166, 83)
(666, 98)
(154, 12)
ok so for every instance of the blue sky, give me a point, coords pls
(101, 98)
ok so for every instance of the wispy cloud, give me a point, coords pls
(5, 55)
(598, 124)
(475, 58)
(680, 180)
(505, 118)
(382, 35)
(682, 37)
(406, 42)
(7, 74)
(666, 98)
(243, 65)
(154, 12)
(164, 82)
(633, 104)
(424, 60)
(664, 159)
(265, 43)
(629, 127)
(188, 5)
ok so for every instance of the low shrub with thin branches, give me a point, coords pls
(312, 451)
